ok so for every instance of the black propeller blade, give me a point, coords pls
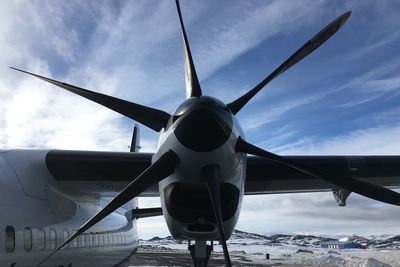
(304, 51)
(193, 88)
(360, 187)
(214, 190)
(159, 170)
(152, 118)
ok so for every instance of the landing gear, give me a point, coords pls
(200, 252)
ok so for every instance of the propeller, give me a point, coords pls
(211, 174)
(160, 169)
(193, 88)
(152, 118)
(304, 51)
(360, 187)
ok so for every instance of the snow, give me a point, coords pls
(374, 263)
(302, 250)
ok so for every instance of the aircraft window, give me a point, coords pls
(81, 241)
(100, 240)
(53, 239)
(105, 239)
(90, 244)
(10, 239)
(41, 239)
(87, 240)
(96, 241)
(75, 242)
(27, 239)
(65, 238)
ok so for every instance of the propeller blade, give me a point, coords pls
(360, 187)
(152, 118)
(214, 191)
(304, 51)
(159, 170)
(193, 88)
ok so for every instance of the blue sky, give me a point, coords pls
(342, 99)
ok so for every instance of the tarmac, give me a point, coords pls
(169, 257)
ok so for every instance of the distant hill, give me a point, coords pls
(242, 238)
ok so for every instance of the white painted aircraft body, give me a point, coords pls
(42, 213)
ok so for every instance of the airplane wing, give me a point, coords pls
(113, 170)
(268, 177)
(107, 173)
(98, 172)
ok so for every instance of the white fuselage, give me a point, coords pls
(37, 215)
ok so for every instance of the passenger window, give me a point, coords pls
(75, 242)
(27, 239)
(87, 237)
(90, 240)
(10, 239)
(100, 240)
(53, 239)
(105, 239)
(96, 241)
(65, 238)
(81, 241)
(41, 239)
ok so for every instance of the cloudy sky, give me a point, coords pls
(342, 99)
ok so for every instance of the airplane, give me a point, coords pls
(201, 170)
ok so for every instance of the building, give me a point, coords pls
(341, 245)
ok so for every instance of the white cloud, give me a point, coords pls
(379, 140)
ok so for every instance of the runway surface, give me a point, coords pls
(152, 257)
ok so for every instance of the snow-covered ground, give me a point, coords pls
(306, 250)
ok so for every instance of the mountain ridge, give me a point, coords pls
(246, 238)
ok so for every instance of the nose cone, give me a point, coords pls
(204, 129)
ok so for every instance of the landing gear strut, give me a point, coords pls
(200, 252)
